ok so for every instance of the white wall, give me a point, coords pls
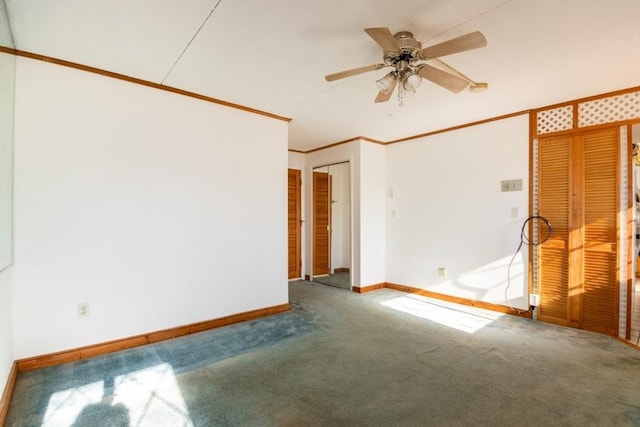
(157, 209)
(296, 160)
(6, 327)
(445, 209)
(7, 77)
(372, 213)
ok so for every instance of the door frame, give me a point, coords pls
(315, 225)
(585, 114)
(297, 175)
(577, 246)
(309, 267)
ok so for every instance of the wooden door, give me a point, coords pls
(600, 292)
(554, 188)
(321, 223)
(578, 194)
(294, 223)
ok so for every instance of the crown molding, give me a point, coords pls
(135, 80)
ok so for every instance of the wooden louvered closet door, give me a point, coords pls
(321, 223)
(294, 223)
(600, 291)
(554, 171)
(577, 193)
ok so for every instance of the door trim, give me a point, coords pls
(294, 224)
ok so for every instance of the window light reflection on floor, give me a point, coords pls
(460, 317)
(149, 396)
(65, 406)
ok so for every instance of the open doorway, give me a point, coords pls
(332, 225)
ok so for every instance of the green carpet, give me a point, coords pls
(383, 358)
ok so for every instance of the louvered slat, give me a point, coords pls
(321, 220)
(599, 295)
(553, 203)
(600, 292)
(293, 213)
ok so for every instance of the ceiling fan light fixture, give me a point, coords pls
(411, 81)
(387, 82)
(407, 91)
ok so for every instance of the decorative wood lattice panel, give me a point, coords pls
(555, 120)
(609, 110)
(625, 262)
(536, 209)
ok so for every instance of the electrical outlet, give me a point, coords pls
(442, 272)
(83, 309)
(534, 300)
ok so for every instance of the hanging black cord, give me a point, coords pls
(524, 240)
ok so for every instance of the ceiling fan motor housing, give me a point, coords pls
(409, 49)
(408, 44)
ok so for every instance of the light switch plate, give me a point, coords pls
(512, 185)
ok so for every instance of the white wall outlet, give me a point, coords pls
(442, 272)
(83, 309)
(534, 300)
(515, 212)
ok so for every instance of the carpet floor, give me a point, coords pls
(384, 358)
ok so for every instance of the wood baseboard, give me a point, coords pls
(8, 393)
(626, 342)
(341, 270)
(458, 300)
(365, 289)
(443, 297)
(65, 356)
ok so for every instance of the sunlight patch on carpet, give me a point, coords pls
(65, 406)
(459, 317)
(149, 396)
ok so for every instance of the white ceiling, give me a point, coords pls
(272, 55)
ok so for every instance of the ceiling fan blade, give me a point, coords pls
(460, 44)
(352, 72)
(385, 95)
(384, 38)
(442, 78)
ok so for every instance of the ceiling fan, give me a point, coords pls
(404, 53)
